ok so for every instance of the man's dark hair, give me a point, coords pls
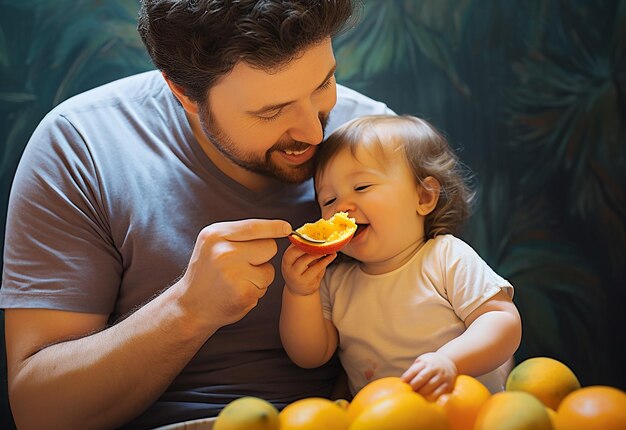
(195, 42)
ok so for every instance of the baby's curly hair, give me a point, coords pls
(426, 151)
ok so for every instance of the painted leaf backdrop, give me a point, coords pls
(532, 94)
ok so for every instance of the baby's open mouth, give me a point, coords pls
(360, 228)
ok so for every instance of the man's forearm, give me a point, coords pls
(105, 379)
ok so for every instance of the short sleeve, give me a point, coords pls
(469, 281)
(58, 249)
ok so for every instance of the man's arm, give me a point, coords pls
(98, 380)
(66, 370)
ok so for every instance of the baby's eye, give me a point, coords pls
(362, 187)
(328, 202)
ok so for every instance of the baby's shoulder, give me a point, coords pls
(448, 249)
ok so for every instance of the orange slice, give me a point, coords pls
(336, 231)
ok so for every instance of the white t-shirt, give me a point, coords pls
(386, 321)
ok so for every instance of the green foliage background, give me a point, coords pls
(533, 95)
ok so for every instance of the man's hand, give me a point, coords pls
(303, 272)
(230, 269)
(431, 374)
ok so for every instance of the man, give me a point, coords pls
(148, 217)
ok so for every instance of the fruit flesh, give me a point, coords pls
(336, 231)
(331, 230)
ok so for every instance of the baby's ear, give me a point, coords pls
(428, 195)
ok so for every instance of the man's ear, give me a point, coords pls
(179, 92)
(428, 195)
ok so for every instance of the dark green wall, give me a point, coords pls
(532, 93)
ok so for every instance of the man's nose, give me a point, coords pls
(308, 128)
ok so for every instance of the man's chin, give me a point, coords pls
(294, 175)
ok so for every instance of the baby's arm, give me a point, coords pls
(309, 339)
(493, 334)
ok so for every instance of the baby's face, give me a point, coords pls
(382, 198)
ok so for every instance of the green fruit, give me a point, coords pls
(247, 413)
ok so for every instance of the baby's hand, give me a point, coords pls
(303, 272)
(431, 375)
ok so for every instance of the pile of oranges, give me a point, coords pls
(541, 394)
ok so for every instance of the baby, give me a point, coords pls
(408, 298)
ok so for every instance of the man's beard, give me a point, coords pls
(261, 164)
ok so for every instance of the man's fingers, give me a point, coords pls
(255, 252)
(262, 276)
(253, 229)
(261, 291)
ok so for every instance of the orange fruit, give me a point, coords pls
(596, 407)
(336, 231)
(546, 378)
(513, 410)
(401, 411)
(313, 413)
(374, 391)
(461, 406)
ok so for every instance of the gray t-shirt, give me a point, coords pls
(109, 197)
